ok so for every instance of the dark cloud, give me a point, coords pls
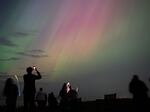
(33, 55)
(24, 33)
(37, 51)
(6, 42)
(38, 56)
(10, 59)
(3, 73)
(21, 34)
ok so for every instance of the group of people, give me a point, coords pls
(67, 94)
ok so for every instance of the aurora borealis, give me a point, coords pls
(97, 45)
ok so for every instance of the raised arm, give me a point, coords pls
(38, 74)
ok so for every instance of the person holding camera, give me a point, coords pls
(30, 89)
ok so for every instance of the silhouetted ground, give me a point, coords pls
(118, 105)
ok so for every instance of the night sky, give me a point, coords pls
(97, 45)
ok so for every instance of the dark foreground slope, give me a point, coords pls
(100, 105)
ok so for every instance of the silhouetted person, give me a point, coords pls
(52, 102)
(29, 89)
(41, 98)
(72, 94)
(72, 99)
(10, 92)
(139, 91)
(63, 98)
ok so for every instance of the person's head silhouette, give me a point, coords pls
(41, 89)
(9, 81)
(135, 77)
(29, 70)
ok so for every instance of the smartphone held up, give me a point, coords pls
(34, 68)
